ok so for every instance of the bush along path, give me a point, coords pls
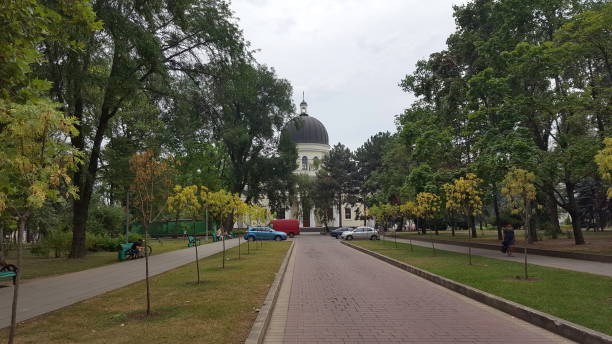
(44, 295)
(569, 300)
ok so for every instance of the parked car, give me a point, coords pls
(264, 233)
(291, 227)
(360, 233)
(337, 232)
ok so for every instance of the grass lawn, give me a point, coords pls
(596, 242)
(581, 298)
(35, 266)
(221, 309)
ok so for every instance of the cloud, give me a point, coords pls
(347, 55)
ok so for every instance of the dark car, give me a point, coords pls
(337, 232)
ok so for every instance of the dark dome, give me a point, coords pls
(306, 129)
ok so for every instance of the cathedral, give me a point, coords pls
(312, 143)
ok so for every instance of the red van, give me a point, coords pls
(289, 226)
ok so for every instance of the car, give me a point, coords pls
(360, 233)
(264, 233)
(337, 232)
(291, 227)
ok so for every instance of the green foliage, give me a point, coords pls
(106, 219)
(56, 241)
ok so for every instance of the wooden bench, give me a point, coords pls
(9, 270)
(192, 241)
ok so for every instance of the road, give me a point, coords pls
(334, 294)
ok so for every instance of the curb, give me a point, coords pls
(260, 326)
(537, 251)
(548, 322)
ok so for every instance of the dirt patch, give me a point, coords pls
(522, 278)
(477, 265)
(144, 316)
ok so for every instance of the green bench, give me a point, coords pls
(192, 241)
(9, 270)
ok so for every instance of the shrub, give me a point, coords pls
(55, 241)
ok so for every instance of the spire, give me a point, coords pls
(303, 106)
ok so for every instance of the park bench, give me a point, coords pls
(192, 241)
(9, 270)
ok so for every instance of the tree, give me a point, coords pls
(518, 187)
(604, 161)
(338, 172)
(520, 190)
(186, 200)
(427, 206)
(248, 106)
(151, 187)
(141, 47)
(36, 168)
(323, 199)
(223, 205)
(463, 195)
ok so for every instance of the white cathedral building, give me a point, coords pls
(312, 143)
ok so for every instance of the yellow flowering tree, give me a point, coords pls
(518, 187)
(408, 211)
(463, 195)
(35, 166)
(604, 163)
(185, 200)
(427, 206)
(223, 205)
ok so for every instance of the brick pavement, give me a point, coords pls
(340, 295)
(43, 295)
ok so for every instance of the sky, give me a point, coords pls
(347, 56)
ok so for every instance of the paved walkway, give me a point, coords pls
(598, 268)
(335, 294)
(43, 295)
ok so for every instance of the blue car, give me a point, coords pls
(264, 233)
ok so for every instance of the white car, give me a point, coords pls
(360, 233)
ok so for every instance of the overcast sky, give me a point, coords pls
(348, 56)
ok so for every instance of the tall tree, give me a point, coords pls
(248, 106)
(338, 171)
(142, 45)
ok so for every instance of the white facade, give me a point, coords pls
(310, 156)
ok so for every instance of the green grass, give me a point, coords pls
(36, 266)
(222, 309)
(582, 298)
(596, 242)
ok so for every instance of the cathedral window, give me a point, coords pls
(347, 213)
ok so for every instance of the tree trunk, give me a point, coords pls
(497, 216)
(22, 225)
(423, 228)
(552, 211)
(472, 224)
(575, 214)
(146, 244)
(340, 214)
(80, 208)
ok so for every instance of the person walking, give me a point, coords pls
(508, 239)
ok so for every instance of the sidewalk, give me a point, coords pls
(43, 295)
(597, 268)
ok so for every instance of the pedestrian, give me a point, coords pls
(508, 239)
